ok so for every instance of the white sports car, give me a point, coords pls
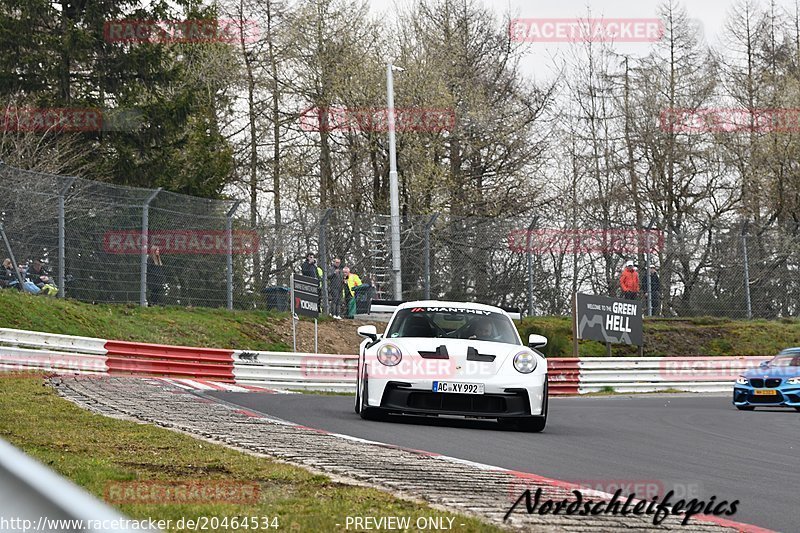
(449, 358)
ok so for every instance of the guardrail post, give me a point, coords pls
(323, 256)
(428, 255)
(746, 273)
(61, 238)
(145, 248)
(229, 260)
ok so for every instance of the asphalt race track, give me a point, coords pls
(696, 445)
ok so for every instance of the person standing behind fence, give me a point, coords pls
(351, 281)
(155, 276)
(312, 270)
(655, 288)
(335, 290)
(629, 281)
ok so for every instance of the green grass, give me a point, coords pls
(98, 453)
(197, 326)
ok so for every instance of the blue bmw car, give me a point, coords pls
(776, 383)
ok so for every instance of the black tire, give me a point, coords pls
(745, 407)
(531, 424)
(367, 413)
(797, 408)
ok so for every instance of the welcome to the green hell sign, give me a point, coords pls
(608, 320)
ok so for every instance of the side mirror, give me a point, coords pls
(537, 341)
(369, 332)
(763, 364)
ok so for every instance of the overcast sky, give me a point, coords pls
(711, 14)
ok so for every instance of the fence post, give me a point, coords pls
(229, 261)
(61, 237)
(530, 263)
(746, 272)
(647, 263)
(145, 248)
(428, 255)
(323, 256)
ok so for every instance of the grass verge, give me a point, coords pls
(102, 454)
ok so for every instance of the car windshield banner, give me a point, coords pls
(609, 320)
(306, 296)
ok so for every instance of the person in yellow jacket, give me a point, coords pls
(351, 281)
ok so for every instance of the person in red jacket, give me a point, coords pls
(629, 282)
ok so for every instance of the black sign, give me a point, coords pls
(306, 296)
(610, 320)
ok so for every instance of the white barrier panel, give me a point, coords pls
(26, 351)
(53, 341)
(298, 371)
(653, 374)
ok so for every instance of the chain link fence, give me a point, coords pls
(97, 242)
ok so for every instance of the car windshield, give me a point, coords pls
(453, 323)
(785, 360)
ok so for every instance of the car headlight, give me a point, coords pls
(793, 381)
(389, 355)
(525, 362)
(741, 380)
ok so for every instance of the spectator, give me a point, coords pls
(309, 267)
(312, 270)
(155, 276)
(351, 281)
(7, 276)
(655, 288)
(27, 285)
(41, 278)
(335, 290)
(629, 281)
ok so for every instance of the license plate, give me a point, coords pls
(459, 388)
(765, 392)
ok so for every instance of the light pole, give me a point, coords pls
(394, 193)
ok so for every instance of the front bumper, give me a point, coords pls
(785, 396)
(501, 399)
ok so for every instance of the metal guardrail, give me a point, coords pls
(29, 350)
(34, 498)
(301, 371)
(652, 374)
(22, 351)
